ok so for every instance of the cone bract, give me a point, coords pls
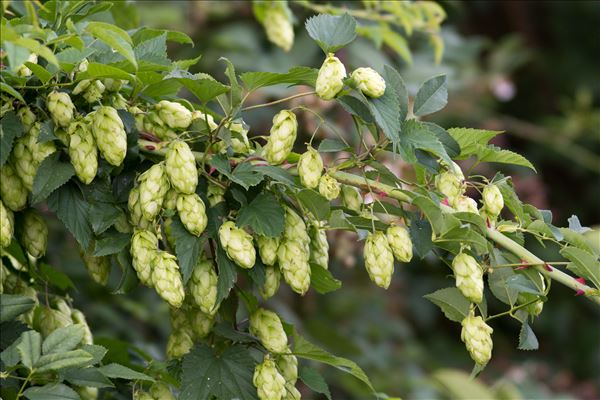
(135, 209)
(154, 185)
(319, 247)
(369, 82)
(7, 225)
(61, 108)
(270, 384)
(167, 279)
(34, 234)
(215, 194)
(83, 151)
(27, 118)
(465, 204)
(287, 364)
(175, 115)
(449, 184)
(351, 198)
(293, 262)
(12, 190)
(329, 187)
(271, 285)
(267, 327)
(144, 246)
(267, 249)
(493, 202)
(203, 286)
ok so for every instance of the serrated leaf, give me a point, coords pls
(30, 348)
(4, 87)
(332, 146)
(51, 174)
(235, 94)
(264, 215)
(491, 153)
(114, 370)
(527, 339)
(521, 284)
(51, 391)
(188, 248)
(145, 33)
(129, 279)
(386, 113)
(450, 145)
(331, 32)
(295, 76)
(322, 281)
(13, 305)
(395, 81)
(98, 71)
(397, 43)
(46, 132)
(316, 204)
(432, 96)
(417, 135)
(10, 355)
(276, 173)
(453, 304)
(111, 243)
(227, 274)
(103, 215)
(313, 379)
(356, 106)
(87, 377)
(40, 72)
(70, 207)
(469, 138)
(57, 361)
(207, 374)
(98, 352)
(63, 339)
(420, 233)
(115, 37)
(511, 200)
(246, 175)
(10, 128)
(583, 264)
(204, 89)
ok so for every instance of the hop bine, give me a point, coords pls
(269, 383)
(477, 336)
(329, 187)
(267, 327)
(369, 82)
(238, 245)
(203, 286)
(61, 108)
(34, 234)
(330, 79)
(469, 277)
(192, 213)
(167, 279)
(379, 259)
(181, 167)
(110, 135)
(154, 185)
(278, 27)
(174, 114)
(310, 167)
(83, 151)
(12, 190)
(282, 138)
(400, 243)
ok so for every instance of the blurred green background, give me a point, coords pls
(529, 68)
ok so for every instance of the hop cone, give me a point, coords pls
(167, 279)
(449, 184)
(271, 285)
(379, 259)
(12, 190)
(135, 210)
(201, 323)
(174, 114)
(287, 364)
(28, 154)
(238, 245)
(170, 200)
(203, 286)
(152, 123)
(78, 318)
(192, 213)
(34, 234)
(208, 122)
(61, 108)
(493, 202)
(27, 118)
(144, 246)
(400, 243)
(293, 261)
(267, 327)
(351, 198)
(534, 309)
(295, 228)
(278, 27)
(319, 247)
(465, 204)
(291, 392)
(46, 320)
(282, 138)
(369, 82)
(270, 385)
(331, 77)
(469, 277)
(98, 267)
(139, 116)
(154, 185)
(23, 70)
(83, 151)
(329, 187)
(87, 392)
(113, 85)
(178, 344)
(477, 336)
(310, 167)
(160, 391)
(91, 89)
(110, 135)
(215, 194)
(267, 249)
(181, 167)
(142, 395)
(7, 225)
(116, 100)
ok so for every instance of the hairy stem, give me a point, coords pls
(278, 101)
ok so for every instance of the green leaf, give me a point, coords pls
(386, 113)
(432, 96)
(395, 81)
(583, 264)
(456, 237)
(246, 175)
(30, 348)
(575, 225)
(459, 385)
(115, 37)
(397, 43)
(115, 370)
(521, 284)
(98, 352)
(112, 243)
(55, 277)
(420, 233)
(56, 361)
(144, 34)
(46, 132)
(43, 75)
(51, 391)
(4, 87)
(51, 174)
(331, 32)
(103, 215)
(227, 375)
(450, 145)
(322, 281)
(279, 174)
(469, 138)
(10, 128)
(63, 339)
(491, 153)
(70, 207)
(356, 106)
(295, 76)
(313, 379)
(264, 215)
(188, 248)
(332, 146)
(453, 304)
(316, 204)
(497, 281)
(235, 93)
(98, 71)
(227, 274)
(87, 377)
(417, 135)
(13, 305)
(10, 355)
(511, 200)
(204, 89)
(527, 339)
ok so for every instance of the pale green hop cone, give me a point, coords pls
(379, 259)
(291, 392)
(160, 391)
(351, 198)
(270, 384)
(329, 187)
(295, 228)
(203, 286)
(493, 202)
(293, 262)
(267, 249)
(27, 118)
(282, 137)
(469, 277)
(152, 123)
(181, 167)
(135, 210)
(144, 246)
(310, 167)
(449, 184)
(272, 280)
(97, 267)
(46, 320)
(287, 364)
(192, 213)
(477, 336)
(267, 327)
(61, 108)
(465, 204)
(400, 243)
(110, 135)
(167, 279)
(7, 225)
(83, 151)
(178, 345)
(330, 79)
(319, 247)
(34, 233)
(369, 82)
(201, 323)
(154, 185)
(12, 190)
(278, 26)
(79, 318)
(175, 115)
(87, 392)
(91, 89)
(238, 245)
(170, 200)
(27, 155)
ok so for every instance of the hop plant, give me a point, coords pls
(267, 327)
(449, 184)
(369, 82)
(203, 286)
(282, 138)
(110, 135)
(465, 204)
(295, 228)
(167, 279)
(135, 209)
(379, 259)
(269, 383)
(271, 285)
(469, 277)
(97, 267)
(83, 151)
(329, 187)
(477, 336)
(61, 108)
(238, 245)
(144, 246)
(267, 249)
(27, 118)
(319, 247)
(293, 261)
(287, 364)
(7, 225)
(174, 114)
(192, 213)
(12, 190)
(493, 202)
(154, 185)
(91, 89)
(278, 27)
(215, 194)
(181, 167)
(330, 79)
(310, 166)
(34, 233)
(400, 243)
(351, 198)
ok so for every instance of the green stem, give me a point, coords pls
(278, 101)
